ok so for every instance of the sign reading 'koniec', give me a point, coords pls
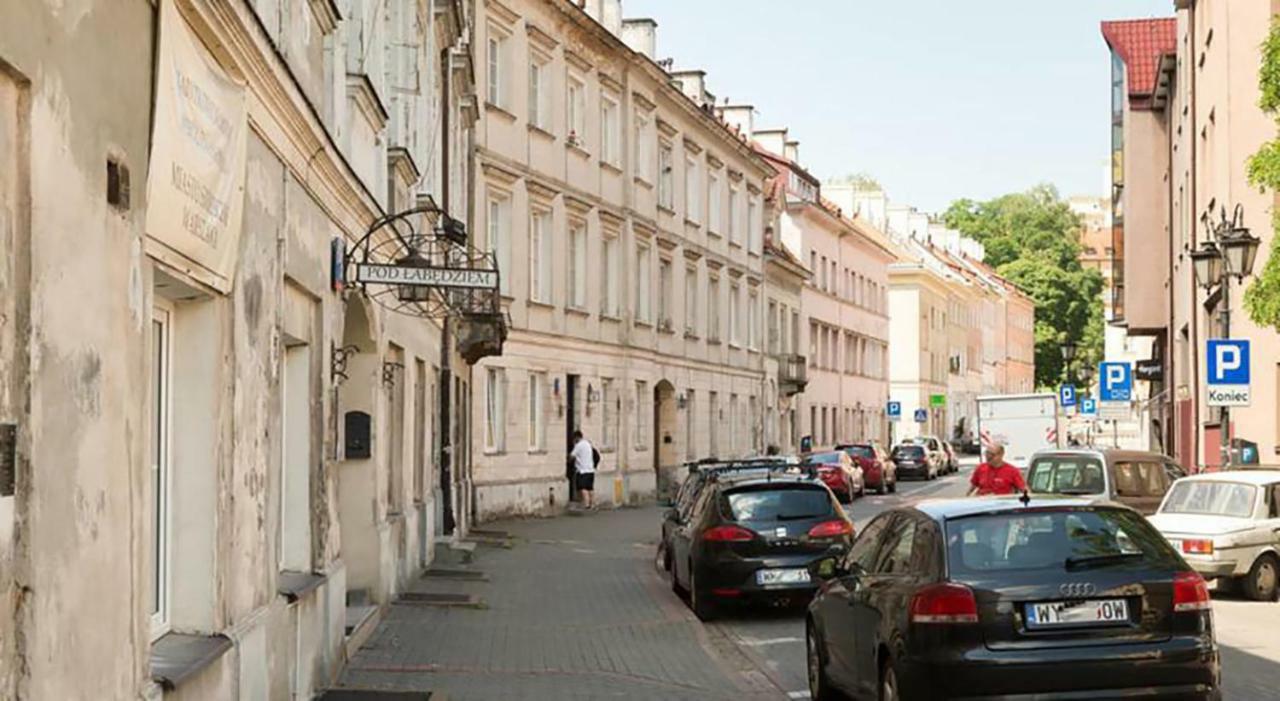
(427, 276)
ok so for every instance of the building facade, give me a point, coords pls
(242, 453)
(628, 221)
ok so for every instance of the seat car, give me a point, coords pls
(912, 460)
(1135, 478)
(1001, 598)
(878, 470)
(840, 472)
(1227, 526)
(751, 538)
(698, 474)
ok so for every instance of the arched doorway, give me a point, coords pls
(356, 417)
(666, 454)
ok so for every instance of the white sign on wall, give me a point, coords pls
(195, 187)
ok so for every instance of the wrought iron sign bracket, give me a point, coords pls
(338, 357)
(389, 371)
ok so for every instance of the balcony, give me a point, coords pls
(792, 374)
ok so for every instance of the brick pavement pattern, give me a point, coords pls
(575, 609)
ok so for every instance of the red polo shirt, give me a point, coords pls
(1005, 479)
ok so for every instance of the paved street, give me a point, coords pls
(577, 608)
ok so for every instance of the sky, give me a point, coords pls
(936, 99)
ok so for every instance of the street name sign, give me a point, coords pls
(1067, 395)
(1227, 368)
(467, 278)
(894, 411)
(1115, 382)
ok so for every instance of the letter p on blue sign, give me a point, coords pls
(1228, 361)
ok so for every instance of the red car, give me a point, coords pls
(839, 472)
(879, 472)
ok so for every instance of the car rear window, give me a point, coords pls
(908, 451)
(774, 503)
(860, 451)
(1066, 474)
(825, 458)
(978, 546)
(1212, 498)
(1140, 479)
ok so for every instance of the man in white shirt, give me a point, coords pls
(584, 458)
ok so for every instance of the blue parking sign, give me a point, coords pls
(1067, 395)
(921, 416)
(1228, 361)
(1089, 406)
(1115, 382)
(894, 411)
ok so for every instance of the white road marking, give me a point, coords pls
(797, 694)
(770, 641)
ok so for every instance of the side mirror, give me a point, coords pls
(826, 568)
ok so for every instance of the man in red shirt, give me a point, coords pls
(995, 476)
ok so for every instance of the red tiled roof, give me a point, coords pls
(1141, 43)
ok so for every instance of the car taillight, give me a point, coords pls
(728, 534)
(831, 529)
(1197, 547)
(944, 603)
(1190, 592)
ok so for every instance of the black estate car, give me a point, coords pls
(752, 537)
(1047, 598)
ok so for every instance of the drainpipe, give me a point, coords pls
(1195, 243)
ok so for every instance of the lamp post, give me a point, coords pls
(1068, 349)
(1230, 253)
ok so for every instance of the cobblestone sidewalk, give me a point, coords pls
(574, 609)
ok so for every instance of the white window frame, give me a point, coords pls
(643, 147)
(641, 420)
(295, 556)
(755, 229)
(664, 292)
(537, 412)
(495, 432)
(540, 248)
(609, 251)
(610, 131)
(499, 43)
(713, 308)
(666, 176)
(577, 277)
(499, 238)
(539, 92)
(162, 466)
(576, 111)
(691, 300)
(715, 219)
(735, 312)
(753, 318)
(713, 424)
(735, 214)
(692, 192)
(609, 415)
(644, 271)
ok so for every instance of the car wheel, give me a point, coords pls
(667, 563)
(702, 608)
(893, 486)
(883, 487)
(1261, 582)
(888, 682)
(819, 688)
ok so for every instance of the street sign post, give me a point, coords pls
(894, 411)
(1067, 396)
(1227, 368)
(922, 415)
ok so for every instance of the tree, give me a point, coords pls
(1032, 239)
(1262, 297)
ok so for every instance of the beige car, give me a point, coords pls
(1227, 526)
(1136, 478)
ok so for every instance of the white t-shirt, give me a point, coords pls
(583, 459)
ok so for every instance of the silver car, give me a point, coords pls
(1227, 526)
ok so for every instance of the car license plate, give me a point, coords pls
(1054, 614)
(787, 576)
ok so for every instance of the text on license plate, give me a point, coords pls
(782, 576)
(1077, 613)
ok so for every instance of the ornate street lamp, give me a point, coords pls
(1068, 350)
(413, 293)
(1207, 262)
(1239, 246)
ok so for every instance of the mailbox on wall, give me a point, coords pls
(358, 434)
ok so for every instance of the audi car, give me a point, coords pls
(1011, 598)
(751, 538)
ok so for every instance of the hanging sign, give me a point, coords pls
(466, 278)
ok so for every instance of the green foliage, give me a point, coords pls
(1032, 238)
(861, 181)
(1262, 298)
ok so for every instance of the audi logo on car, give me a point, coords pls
(1077, 590)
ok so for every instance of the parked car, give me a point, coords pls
(990, 598)
(840, 472)
(953, 460)
(1134, 478)
(699, 474)
(751, 538)
(878, 470)
(912, 460)
(934, 445)
(1227, 526)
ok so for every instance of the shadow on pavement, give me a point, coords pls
(1248, 677)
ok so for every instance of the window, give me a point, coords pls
(826, 283)
(664, 294)
(899, 545)
(713, 202)
(610, 131)
(576, 112)
(641, 416)
(609, 302)
(294, 552)
(159, 495)
(713, 423)
(691, 300)
(753, 424)
(666, 195)
(753, 320)
(735, 215)
(495, 439)
(773, 328)
(537, 414)
(735, 315)
(692, 193)
(690, 423)
(813, 344)
(540, 257)
(609, 400)
(539, 94)
(497, 68)
(713, 309)
(644, 269)
(733, 423)
(755, 230)
(577, 266)
(644, 148)
(499, 242)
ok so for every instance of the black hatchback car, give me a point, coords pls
(996, 598)
(752, 537)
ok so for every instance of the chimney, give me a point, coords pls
(771, 140)
(741, 117)
(641, 35)
(791, 151)
(694, 85)
(607, 12)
